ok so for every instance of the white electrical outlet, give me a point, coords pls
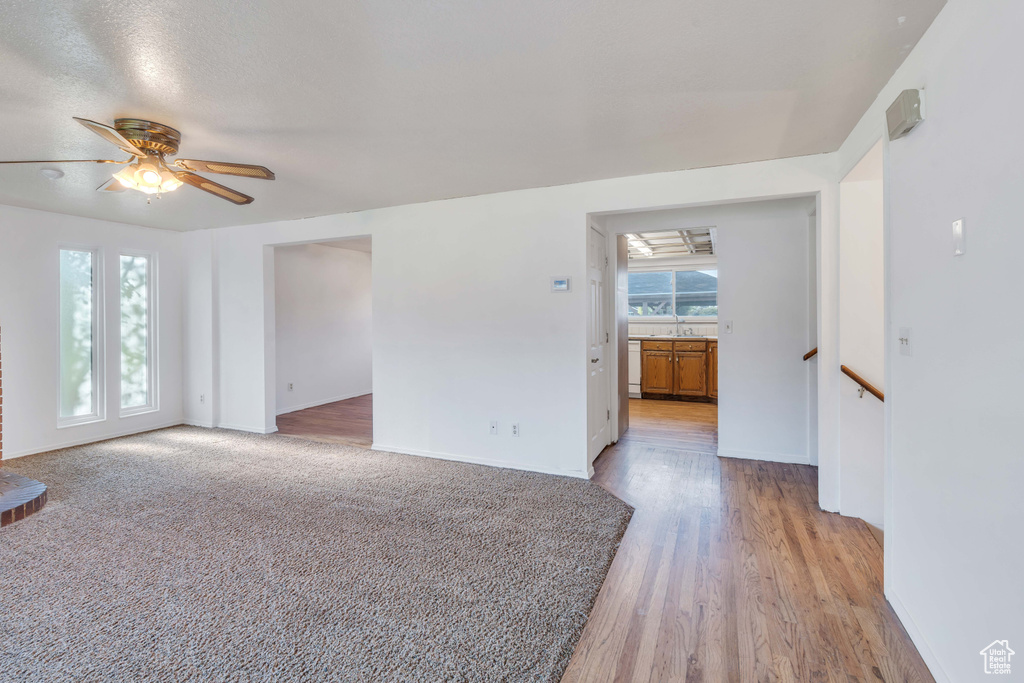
(494, 427)
(291, 387)
(906, 341)
(202, 398)
(515, 429)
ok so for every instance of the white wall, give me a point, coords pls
(29, 298)
(763, 275)
(323, 309)
(862, 339)
(464, 334)
(200, 337)
(953, 554)
(812, 339)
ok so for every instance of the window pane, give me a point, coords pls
(77, 396)
(650, 293)
(134, 331)
(696, 292)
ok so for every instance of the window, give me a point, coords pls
(650, 294)
(137, 391)
(696, 293)
(80, 343)
(679, 293)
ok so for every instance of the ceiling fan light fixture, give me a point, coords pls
(170, 182)
(147, 174)
(126, 177)
(148, 143)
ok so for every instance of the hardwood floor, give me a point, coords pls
(348, 422)
(730, 572)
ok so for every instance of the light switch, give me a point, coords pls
(959, 247)
(728, 326)
(906, 342)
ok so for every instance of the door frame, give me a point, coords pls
(270, 322)
(826, 275)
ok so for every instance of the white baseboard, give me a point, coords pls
(789, 458)
(324, 402)
(243, 428)
(88, 440)
(478, 461)
(927, 654)
(197, 423)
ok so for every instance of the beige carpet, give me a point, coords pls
(191, 554)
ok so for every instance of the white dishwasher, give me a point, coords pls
(634, 368)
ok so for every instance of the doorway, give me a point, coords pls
(324, 341)
(719, 311)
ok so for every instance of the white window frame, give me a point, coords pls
(664, 268)
(99, 413)
(152, 369)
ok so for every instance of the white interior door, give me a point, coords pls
(598, 391)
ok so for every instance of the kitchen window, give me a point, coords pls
(673, 294)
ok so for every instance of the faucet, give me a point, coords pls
(688, 331)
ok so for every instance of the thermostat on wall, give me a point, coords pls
(560, 284)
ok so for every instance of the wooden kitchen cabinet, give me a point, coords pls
(657, 371)
(713, 370)
(684, 369)
(691, 373)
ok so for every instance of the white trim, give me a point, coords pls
(926, 652)
(789, 458)
(490, 462)
(314, 404)
(93, 439)
(251, 430)
(198, 423)
(126, 413)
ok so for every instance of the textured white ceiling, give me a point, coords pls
(357, 105)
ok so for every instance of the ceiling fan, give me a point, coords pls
(148, 171)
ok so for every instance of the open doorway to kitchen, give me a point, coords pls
(324, 341)
(718, 306)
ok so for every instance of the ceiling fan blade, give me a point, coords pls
(214, 188)
(68, 161)
(226, 168)
(112, 185)
(111, 136)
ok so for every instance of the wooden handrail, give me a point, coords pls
(863, 383)
(811, 354)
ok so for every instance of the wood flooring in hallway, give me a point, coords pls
(349, 422)
(730, 572)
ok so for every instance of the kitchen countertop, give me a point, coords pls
(668, 337)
